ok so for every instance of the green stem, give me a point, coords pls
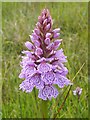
(44, 108)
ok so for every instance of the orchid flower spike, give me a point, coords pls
(43, 64)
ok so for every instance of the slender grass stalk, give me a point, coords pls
(78, 72)
(20, 109)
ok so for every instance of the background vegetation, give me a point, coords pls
(18, 21)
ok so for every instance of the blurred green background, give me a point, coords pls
(18, 21)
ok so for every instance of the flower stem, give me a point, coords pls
(44, 108)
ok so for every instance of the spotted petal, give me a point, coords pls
(48, 77)
(36, 80)
(43, 67)
(60, 80)
(48, 92)
(26, 86)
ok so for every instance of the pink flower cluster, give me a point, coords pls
(43, 64)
